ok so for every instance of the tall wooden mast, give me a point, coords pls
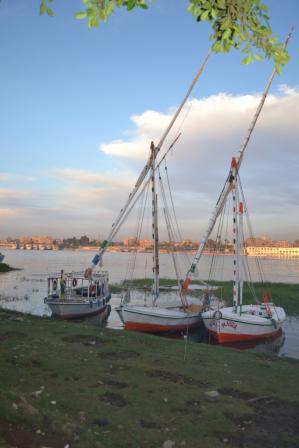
(236, 257)
(155, 237)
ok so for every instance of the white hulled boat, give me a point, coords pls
(242, 322)
(156, 318)
(239, 322)
(71, 295)
(254, 322)
(153, 318)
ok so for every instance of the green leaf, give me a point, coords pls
(263, 7)
(81, 15)
(278, 68)
(221, 4)
(248, 59)
(109, 9)
(258, 57)
(131, 4)
(205, 15)
(226, 34)
(103, 15)
(42, 8)
(49, 12)
(214, 13)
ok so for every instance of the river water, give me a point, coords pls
(24, 290)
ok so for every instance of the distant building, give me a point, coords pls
(25, 239)
(273, 251)
(131, 241)
(146, 244)
(42, 239)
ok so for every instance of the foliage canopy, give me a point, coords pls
(240, 24)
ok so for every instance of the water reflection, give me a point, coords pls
(271, 345)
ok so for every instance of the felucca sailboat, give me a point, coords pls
(154, 318)
(239, 322)
(242, 322)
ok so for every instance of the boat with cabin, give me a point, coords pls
(72, 295)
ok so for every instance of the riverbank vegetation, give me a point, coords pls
(4, 267)
(70, 384)
(285, 295)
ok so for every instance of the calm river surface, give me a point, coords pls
(25, 290)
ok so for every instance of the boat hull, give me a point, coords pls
(67, 309)
(227, 326)
(157, 320)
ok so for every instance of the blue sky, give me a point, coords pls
(67, 91)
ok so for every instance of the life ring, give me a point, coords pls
(217, 315)
(74, 282)
(54, 285)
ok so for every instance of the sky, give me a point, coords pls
(80, 107)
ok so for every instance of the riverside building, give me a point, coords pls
(270, 251)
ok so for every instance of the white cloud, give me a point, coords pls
(212, 130)
(4, 212)
(12, 177)
(115, 179)
(14, 194)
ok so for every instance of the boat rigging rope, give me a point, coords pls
(214, 260)
(171, 236)
(225, 240)
(258, 264)
(245, 258)
(132, 262)
(169, 226)
(227, 185)
(123, 212)
(180, 238)
(145, 185)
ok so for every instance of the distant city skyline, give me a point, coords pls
(45, 239)
(78, 119)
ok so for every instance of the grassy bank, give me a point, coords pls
(72, 384)
(4, 267)
(282, 294)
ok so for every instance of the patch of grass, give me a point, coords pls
(282, 294)
(4, 267)
(64, 383)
